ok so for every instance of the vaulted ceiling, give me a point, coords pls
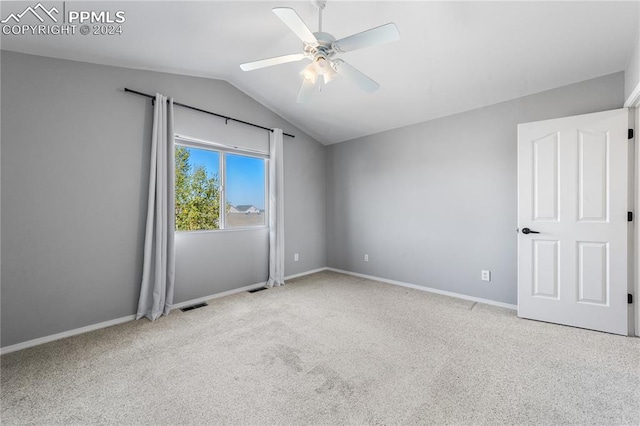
(451, 57)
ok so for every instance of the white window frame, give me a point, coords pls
(224, 149)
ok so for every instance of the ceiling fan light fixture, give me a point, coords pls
(329, 74)
(309, 73)
(322, 65)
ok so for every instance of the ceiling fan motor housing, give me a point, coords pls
(325, 42)
(323, 51)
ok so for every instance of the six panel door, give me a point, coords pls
(572, 200)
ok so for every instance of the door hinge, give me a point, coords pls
(629, 216)
(630, 133)
(630, 298)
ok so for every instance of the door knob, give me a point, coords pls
(529, 231)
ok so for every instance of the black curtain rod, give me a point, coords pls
(226, 118)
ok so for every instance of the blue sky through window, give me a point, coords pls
(245, 175)
(208, 159)
(245, 180)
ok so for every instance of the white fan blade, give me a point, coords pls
(373, 37)
(250, 66)
(297, 25)
(306, 90)
(364, 82)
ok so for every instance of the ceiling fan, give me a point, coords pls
(321, 48)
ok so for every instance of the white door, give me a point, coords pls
(572, 220)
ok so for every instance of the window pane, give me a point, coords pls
(197, 189)
(245, 191)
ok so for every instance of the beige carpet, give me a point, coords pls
(328, 349)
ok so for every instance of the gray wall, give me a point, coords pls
(434, 203)
(74, 177)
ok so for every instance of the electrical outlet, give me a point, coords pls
(366, 257)
(296, 257)
(486, 276)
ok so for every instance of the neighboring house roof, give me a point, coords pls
(245, 207)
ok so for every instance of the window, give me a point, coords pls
(210, 177)
(245, 190)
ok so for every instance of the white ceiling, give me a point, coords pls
(452, 56)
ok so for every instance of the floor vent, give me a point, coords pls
(256, 289)
(192, 307)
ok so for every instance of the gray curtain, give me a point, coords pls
(158, 273)
(276, 209)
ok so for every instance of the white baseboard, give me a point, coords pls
(428, 289)
(64, 334)
(302, 274)
(217, 295)
(105, 324)
(239, 290)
